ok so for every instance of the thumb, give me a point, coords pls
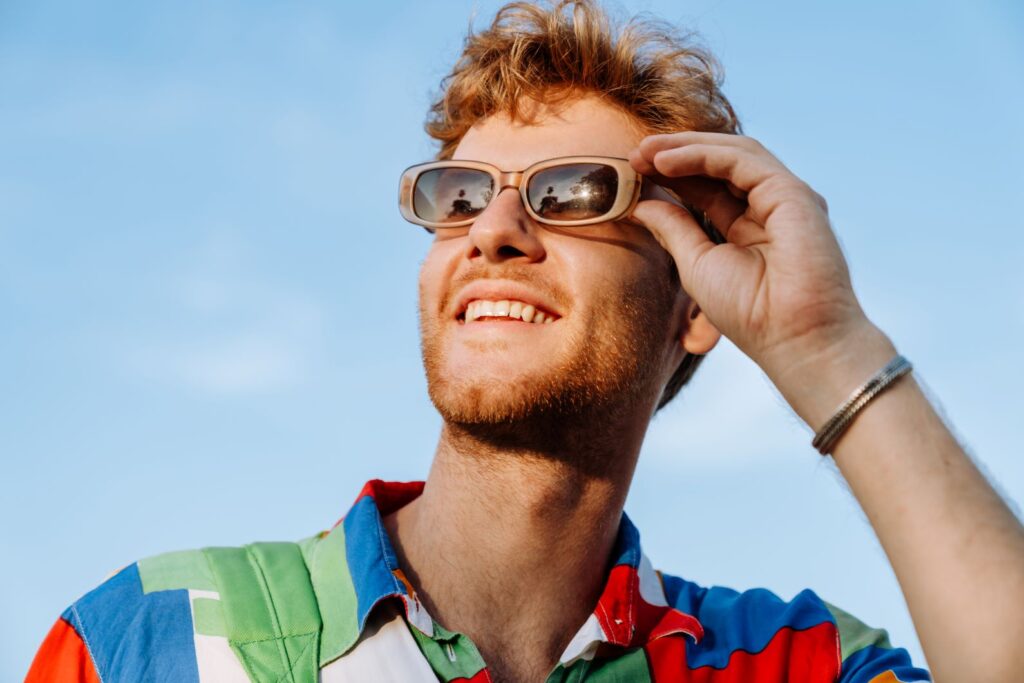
(678, 232)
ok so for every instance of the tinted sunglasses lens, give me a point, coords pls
(574, 191)
(448, 195)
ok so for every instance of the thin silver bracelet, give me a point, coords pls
(827, 436)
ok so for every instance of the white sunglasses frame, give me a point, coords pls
(629, 186)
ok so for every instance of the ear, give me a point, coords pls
(698, 335)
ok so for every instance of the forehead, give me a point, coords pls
(586, 126)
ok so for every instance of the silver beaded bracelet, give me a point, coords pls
(827, 436)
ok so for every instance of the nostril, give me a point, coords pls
(509, 251)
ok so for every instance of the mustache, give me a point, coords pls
(520, 274)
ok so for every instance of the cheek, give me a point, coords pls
(636, 293)
(615, 268)
(434, 272)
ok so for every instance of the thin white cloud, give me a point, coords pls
(238, 334)
(244, 364)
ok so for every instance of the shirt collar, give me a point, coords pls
(631, 611)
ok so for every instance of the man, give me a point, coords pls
(563, 301)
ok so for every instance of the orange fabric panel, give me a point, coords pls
(62, 658)
(885, 677)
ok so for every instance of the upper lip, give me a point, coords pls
(500, 290)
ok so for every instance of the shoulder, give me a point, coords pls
(168, 613)
(759, 631)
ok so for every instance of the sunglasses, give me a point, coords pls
(566, 191)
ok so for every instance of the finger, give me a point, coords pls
(642, 164)
(759, 177)
(709, 196)
(734, 165)
(678, 233)
(653, 144)
(712, 197)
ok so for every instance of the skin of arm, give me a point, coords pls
(780, 289)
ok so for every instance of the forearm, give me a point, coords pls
(955, 547)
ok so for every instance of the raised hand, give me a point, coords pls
(779, 287)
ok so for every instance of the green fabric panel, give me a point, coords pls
(335, 594)
(173, 571)
(208, 617)
(269, 610)
(451, 655)
(854, 635)
(576, 673)
(287, 580)
(262, 660)
(292, 599)
(307, 547)
(631, 667)
(242, 594)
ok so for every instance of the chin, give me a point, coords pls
(493, 398)
(496, 383)
(554, 391)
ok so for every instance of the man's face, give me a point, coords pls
(613, 338)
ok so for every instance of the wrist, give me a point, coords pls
(816, 377)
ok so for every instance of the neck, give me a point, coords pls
(509, 543)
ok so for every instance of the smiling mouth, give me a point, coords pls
(483, 310)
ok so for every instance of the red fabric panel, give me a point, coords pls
(481, 676)
(807, 656)
(615, 608)
(62, 658)
(628, 620)
(389, 495)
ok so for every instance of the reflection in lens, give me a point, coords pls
(448, 195)
(573, 192)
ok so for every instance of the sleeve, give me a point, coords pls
(126, 629)
(63, 657)
(867, 656)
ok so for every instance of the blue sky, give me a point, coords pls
(208, 294)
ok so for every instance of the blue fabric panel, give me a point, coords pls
(627, 544)
(370, 556)
(739, 621)
(136, 638)
(865, 664)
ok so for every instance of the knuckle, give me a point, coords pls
(751, 144)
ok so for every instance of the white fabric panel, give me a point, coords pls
(584, 644)
(651, 589)
(217, 661)
(386, 653)
(417, 615)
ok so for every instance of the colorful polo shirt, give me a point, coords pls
(336, 607)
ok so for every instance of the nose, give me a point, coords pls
(504, 231)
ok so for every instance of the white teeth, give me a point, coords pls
(506, 308)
